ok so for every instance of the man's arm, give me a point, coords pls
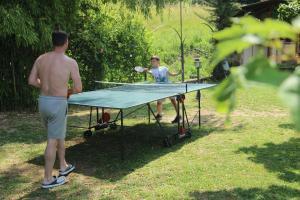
(147, 70)
(34, 76)
(75, 76)
(174, 74)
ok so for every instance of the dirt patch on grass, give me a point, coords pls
(253, 113)
(9, 121)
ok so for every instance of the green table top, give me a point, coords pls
(126, 96)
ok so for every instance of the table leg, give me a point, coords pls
(199, 109)
(122, 135)
(90, 120)
(178, 111)
(149, 114)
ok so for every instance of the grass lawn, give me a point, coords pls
(166, 43)
(256, 157)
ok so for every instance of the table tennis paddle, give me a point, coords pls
(139, 69)
(70, 92)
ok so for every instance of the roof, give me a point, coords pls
(259, 9)
(262, 3)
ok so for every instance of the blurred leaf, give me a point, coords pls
(227, 47)
(290, 94)
(229, 33)
(225, 92)
(248, 31)
(296, 23)
(279, 29)
(260, 69)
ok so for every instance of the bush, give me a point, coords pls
(107, 42)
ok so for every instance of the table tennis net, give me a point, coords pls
(145, 87)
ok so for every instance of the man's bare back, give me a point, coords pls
(52, 71)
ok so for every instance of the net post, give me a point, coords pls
(186, 88)
(199, 109)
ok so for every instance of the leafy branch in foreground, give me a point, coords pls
(247, 32)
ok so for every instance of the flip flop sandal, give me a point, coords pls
(56, 182)
(67, 171)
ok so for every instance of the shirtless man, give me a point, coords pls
(51, 73)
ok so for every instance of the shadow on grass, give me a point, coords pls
(99, 156)
(274, 192)
(11, 181)
(280, 158)
(287, 126)
(17, 183)
(66, 191)
(28, 129)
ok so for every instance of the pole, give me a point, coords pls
(181, 44)
(199, 98)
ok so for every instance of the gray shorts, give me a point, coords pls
(53, 111)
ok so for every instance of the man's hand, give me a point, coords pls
(70, 92)
(180, 72)
(175, 74)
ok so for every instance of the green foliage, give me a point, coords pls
(25, 32)
(246, 32)
(290, 94)
(222, 11)
(109, 44)
(106, 40)
(166, 43)
(145, 6)
(289, 10)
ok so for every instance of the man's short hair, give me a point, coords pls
(155, 58)
(59, 38)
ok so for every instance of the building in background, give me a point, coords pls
(267, 9)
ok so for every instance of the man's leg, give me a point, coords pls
(50, 154)
(174, 103)
(61, 154)
(159, 107)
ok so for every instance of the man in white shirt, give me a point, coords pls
(161, 75)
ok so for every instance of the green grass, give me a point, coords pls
(256, 157)
(165, 41)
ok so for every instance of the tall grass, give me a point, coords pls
(166, 43)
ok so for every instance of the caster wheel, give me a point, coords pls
(189, 134)
(113, 126)
(87, 134)
(167, 142)
(97, 127)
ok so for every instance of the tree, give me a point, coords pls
(25, 33)
(109, 44)
(289, 10)
(222, 11)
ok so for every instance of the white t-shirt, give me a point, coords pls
(160, 74)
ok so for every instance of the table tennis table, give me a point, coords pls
(125, 96)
